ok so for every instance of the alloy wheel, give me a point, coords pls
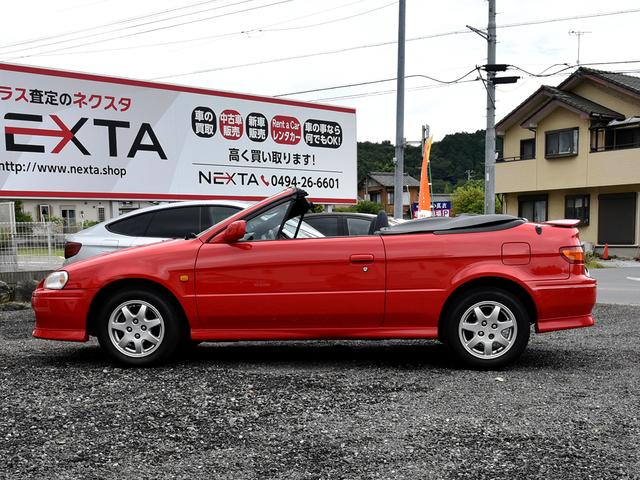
(487, 330)
(136, 328)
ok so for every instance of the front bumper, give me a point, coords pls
(566, 304)
(61, 314)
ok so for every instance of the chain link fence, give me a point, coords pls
(27, 246)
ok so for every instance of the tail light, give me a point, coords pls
(574, 254)
(71, 249)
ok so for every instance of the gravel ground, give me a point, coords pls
(336, 410)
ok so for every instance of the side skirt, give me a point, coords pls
(313, 333)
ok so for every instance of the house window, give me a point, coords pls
(528, 149)
(533, 208)
(390, 198)
(68, 218)
(561, 143)
(44, 213)
(375, 197)
(623, 138)
(499, 147)
(577, 207)
(101, 215)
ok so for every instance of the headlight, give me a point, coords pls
(56, 280)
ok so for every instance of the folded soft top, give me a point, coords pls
(461, 224)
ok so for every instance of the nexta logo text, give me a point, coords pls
(145, 140)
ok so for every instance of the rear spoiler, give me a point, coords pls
(563, 223)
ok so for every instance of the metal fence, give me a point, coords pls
(33, 245)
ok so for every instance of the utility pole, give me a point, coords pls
(399, 173)
(490, 137)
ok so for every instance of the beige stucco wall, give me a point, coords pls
(617, 167)
(512, 137)
(563, 172)
(608, 97)
(587, 169)
(587, 173)
(556, 203)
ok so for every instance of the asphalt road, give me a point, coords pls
(618, 285)
(568, 409)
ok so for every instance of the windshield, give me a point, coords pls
(242, 213)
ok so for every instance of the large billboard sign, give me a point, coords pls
(73, 135)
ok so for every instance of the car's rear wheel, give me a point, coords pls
(487, 328)
(139, 327)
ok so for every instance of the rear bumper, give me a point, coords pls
(61, 314)
(564, 305)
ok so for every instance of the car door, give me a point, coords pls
(267, 282)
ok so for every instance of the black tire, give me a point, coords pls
(487, 342)
(157, 343)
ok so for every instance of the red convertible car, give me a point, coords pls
(476, 283)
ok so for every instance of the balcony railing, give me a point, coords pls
(514, 159)
(619, 146)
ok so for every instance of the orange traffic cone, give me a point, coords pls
(605, 252)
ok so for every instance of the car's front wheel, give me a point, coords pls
(138, 327)
(487, 328)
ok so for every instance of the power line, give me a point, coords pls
(386, 92)
(442, 34)
(561, 72)
(54, 51)
(307, 55)
(118, 22)
(564, 19)
(165, 26)
(328, 21)
(224, 35)
(359, 84)
(379, 44)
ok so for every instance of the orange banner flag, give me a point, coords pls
(424, 201)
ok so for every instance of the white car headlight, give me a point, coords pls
(56, 280)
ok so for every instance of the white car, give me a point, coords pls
(149, 225)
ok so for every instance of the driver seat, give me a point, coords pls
(381, 221)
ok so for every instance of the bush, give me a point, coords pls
(469, 198)
(365, 206)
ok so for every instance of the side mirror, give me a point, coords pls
(235, 231)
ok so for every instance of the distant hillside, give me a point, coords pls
(450, 158)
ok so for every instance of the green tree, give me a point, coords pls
(453, 159)
(469, 198)
(21, 216)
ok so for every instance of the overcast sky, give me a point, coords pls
(217, 35)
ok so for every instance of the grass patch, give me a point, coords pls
(591, 262)
(40, 252)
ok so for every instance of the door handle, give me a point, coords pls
(361, 258)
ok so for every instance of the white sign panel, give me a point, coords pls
(73, 135)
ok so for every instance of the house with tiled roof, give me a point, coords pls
(573, 151)
(379, 187)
